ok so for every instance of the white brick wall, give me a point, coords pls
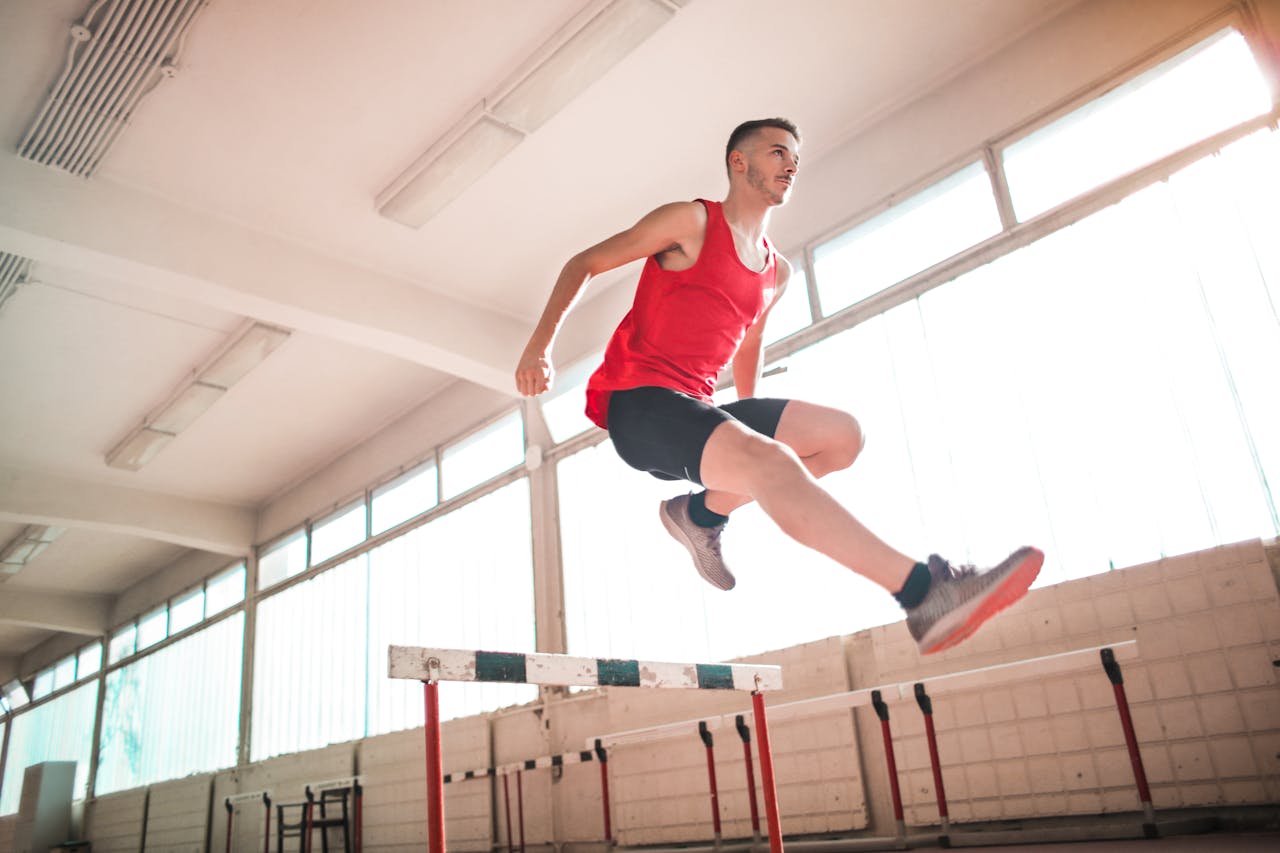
(113, 824)
(1202, 696)
(178, 815)
(8, 826)
(393, 770)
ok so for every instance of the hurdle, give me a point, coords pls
(254, 796)
(878, 698)
(431, 666)
(596, 753)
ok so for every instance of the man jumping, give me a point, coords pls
(708, 284)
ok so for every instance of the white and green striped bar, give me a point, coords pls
(545, 761)
(422, 664)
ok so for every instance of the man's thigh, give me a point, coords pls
(809, 429)
(665, 432)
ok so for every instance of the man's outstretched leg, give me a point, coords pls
(944, 605)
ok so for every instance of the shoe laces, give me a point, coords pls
(940, 569)
(713, 539)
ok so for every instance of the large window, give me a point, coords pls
(408, 495)
(342, 530)
(175, 712)
(931, 226)
(465, 580)
(283, 559)
(1209, 88)
(309, 653)
(1104, 391)
(58, 730)
(791, 313)
(482, 455)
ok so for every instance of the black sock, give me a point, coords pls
(702, 516)
(915, 587)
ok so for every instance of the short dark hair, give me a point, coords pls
(747, 129)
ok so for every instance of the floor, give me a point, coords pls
(1215, 841)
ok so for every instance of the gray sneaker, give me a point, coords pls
(960, 600)
(703, 542)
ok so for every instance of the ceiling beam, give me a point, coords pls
(30, 497)
(75, 614)
(98, 227)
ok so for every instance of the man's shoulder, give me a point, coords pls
(679, 219)
(688, 210)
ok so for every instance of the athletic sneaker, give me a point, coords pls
(960, 600)
(703, 542)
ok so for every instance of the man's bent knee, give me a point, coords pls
(849, 443)
(841, 445)
(739, 460)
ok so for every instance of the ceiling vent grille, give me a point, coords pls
(14, 270)
(119, 52)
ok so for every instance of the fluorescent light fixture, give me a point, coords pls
(562, 68)
(445, 171)
(244, 354)
(579, 61)
(190, 403)
(139, 448)
(196, 395)
(26, 546)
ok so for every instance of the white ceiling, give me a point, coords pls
(244, 188)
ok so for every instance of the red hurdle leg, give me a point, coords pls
(882, 711)
(926, 708)
(745, 734)
(766, 774)
(520, 807)
(435, 770)
(603, 758)
(506, 802)
(1131, 740)
(705, 734)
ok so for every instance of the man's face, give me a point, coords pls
(773, 159)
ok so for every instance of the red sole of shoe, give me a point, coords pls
(1009, 592)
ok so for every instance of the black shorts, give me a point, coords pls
(664, 432)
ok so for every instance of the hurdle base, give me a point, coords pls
(1082, 832)
(828, 845)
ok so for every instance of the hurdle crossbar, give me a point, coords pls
(1080, 660)
(335, 784)
(545, 761)
(425, 664)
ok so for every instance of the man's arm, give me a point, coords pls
(748, 361)
(664, 229)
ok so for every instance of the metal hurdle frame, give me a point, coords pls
(234, 800)
(596, 753)
(431, 666)
(878, 698)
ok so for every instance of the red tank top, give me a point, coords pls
(684, 326)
